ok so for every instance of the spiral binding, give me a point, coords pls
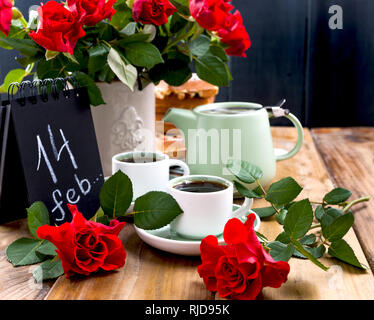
(30, 90)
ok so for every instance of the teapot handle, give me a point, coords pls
(279, 112)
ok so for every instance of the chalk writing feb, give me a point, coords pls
(80, 187)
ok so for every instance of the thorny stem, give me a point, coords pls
(318, 225)
(316, 202)
(354, 202)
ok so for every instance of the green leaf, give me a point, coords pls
(105, 220)
(244, 171)
(283, 237)
(283, 191)
(97, 58)
(116, 195)
(25, 46)
(307, 254)
(280, 251)
(308, 239)
(15, 75)
(137, 37)
(14, 33)
(70, 57)
(47, 248)
(299, 219)
(155, 210)
(177, 23)
(281, 216)
(174, 71)
(316, 252)
(122, 16)
(182, 6)
(319, 212)
(258, 190)
(126, 73)
(219, 52)
(130, 29)
(337, 196)
(150, 31)
(49, 55)
(94, 93)
(342, 251)
(212, 69)
(331, 214)
(143, 54)
(50, 269)
(264, 212)
(200, 46)
(49, 69)
(338, 228)
(37, 216)
(23, 252)
(244, 191)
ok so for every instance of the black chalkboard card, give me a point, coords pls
(48, 150)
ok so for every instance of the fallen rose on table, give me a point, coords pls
(240, 269)
(83, 247)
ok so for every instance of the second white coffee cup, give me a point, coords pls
(148, 171)
(204, 213)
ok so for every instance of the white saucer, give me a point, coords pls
(166, 240)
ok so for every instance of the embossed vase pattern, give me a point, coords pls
(125, 123)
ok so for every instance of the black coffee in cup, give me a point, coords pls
(200, 186)
(149, 159)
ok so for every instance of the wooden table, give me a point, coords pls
(329, 157)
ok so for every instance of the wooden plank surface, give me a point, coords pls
(152, 274)
(349, 156)
(17, 283)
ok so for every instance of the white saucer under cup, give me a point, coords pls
(166, 240)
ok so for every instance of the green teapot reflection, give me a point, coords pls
(215, 133)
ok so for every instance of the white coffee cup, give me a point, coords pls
(146, 176)
(204, 213)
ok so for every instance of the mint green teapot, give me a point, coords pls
(217, 132)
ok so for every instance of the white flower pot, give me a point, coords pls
(125, 123)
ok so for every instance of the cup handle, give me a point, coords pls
(247, 205)
(180, 163)
(300, 138)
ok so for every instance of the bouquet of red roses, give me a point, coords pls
(134, 41)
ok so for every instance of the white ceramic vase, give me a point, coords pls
(125, 123)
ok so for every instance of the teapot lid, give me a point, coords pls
(229, 108)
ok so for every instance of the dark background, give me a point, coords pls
(327, 76)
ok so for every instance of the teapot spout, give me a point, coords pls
(183, 119)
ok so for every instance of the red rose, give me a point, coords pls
(5, 16)
(234, 34)
(91, 12)
(240, 269)
(152, 11)
(58, 29)
(210, 14)
(86, 246)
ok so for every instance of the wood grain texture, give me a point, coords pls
(152, 274)
(17, 283)
(349, 156)
(307, 281)
(147, 274)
